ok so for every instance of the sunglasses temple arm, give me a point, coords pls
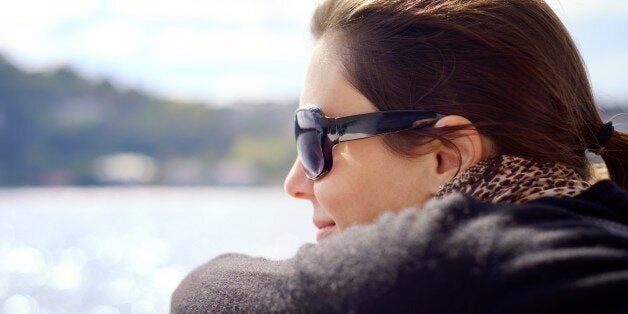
(368, 125)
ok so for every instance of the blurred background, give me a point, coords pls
(140, 139)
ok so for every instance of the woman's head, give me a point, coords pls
(367, 177)
(506, 72)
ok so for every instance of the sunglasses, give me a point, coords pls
(317, 134)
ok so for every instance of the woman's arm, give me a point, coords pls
(338, 274)
(453, 255)
(235, 283)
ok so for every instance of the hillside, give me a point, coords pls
(57, 127)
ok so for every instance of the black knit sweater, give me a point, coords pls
(453, 255)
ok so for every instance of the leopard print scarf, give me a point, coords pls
(514, 179)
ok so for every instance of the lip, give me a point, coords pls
(322, 223)
(326, 226)
(325, 232)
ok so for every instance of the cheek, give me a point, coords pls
(366, 181)
(342, 194)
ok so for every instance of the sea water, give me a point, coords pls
(125, 249)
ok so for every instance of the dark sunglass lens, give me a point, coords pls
(308, 133)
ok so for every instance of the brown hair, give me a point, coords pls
(509, 66)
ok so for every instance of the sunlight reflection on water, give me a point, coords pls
(124, 250)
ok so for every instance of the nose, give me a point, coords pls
(297, 184)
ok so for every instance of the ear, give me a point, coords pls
(446, 159)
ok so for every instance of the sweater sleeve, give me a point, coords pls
(364, 262)
(453, 255)
(235, 283)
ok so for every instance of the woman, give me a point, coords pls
(442, 146)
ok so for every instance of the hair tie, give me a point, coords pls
(603, 136)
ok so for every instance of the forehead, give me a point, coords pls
(326, 86)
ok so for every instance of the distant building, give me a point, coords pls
(125, 168)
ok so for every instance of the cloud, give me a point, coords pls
(239, 12)
(609, 76)
(224, 49)
(570, 10)
(227, 43)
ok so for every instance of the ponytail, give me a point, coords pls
(612, 146)
(615, 156)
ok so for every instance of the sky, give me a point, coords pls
(220, 51)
